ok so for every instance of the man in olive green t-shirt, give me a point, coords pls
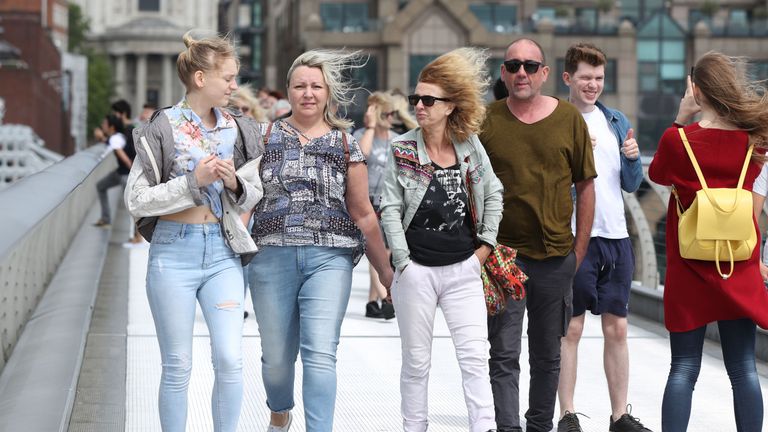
(539, 146)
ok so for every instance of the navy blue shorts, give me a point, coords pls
(604, 278)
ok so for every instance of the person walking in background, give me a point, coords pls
(401, 120)
(196, 170)
(436, 175)
(603, 280)
(308, 228)
(375, 140)
(112, 131)
(538, 146)
(244, 100)
(734, 115)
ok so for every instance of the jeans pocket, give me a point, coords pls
(164, 237)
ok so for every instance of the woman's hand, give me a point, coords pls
(386, 278)
(764, 272)
(226, 171)
(688, 106)
(206, 171)
(369, 120)
(482, 253)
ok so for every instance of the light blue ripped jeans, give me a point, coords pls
(188, 263)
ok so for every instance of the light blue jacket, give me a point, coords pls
(631, 170)
(408, 175)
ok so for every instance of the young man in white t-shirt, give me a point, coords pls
(602, 281)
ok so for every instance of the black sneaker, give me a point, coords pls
(569, 423)
(387, 310)
(627, 423)
(372, 310)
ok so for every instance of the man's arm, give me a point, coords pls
(585, 213)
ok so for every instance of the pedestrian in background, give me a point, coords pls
(198, 165)
(308, 228)
(439, 175)
(734, 115)
(375, 139)
(112, 131)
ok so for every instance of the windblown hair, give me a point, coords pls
(404, 116)
(583, 52)
(462, 75)
(383, 102)
(334, 64)
(244, 96)
(205, 54)
(723, 82)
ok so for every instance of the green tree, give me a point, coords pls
(100, 83)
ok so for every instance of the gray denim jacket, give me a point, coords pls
(149, 193)
(408, 175)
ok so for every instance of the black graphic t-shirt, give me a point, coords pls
(441, 231)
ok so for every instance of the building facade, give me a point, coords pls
(650, 44)
(143, 39)
(33, 82)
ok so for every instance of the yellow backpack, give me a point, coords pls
(719, 224)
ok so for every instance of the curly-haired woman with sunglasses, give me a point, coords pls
(436, 248)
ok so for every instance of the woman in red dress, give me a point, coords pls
(733, 115)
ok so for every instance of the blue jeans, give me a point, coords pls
(189, 263)
(737, 338)
(300, 294)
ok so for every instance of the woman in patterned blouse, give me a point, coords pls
(308, 228)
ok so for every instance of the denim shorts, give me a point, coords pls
(603, 280)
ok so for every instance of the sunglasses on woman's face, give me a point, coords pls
(529, 66)
(425, 99)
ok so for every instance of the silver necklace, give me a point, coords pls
(295, 129)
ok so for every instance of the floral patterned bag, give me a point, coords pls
(502, 278)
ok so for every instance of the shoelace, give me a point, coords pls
(572, 422)
(635, 421)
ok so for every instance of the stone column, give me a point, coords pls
(120, 84)
(166, 92)
(141, 81)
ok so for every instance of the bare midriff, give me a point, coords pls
(194, 215)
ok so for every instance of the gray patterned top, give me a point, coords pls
(304, 188)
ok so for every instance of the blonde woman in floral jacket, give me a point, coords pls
(198, 170)
(437, 172)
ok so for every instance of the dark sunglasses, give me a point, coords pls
(529, 66)
(425, 99)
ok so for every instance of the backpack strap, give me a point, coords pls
(701, 176)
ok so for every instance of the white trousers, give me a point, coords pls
(458, 290)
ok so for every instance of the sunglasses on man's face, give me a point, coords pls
(425, 99)
(529, 66)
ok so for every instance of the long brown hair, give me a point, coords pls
(740, 102)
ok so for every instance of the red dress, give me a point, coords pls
(694, 293)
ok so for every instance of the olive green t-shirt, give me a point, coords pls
(538, 163)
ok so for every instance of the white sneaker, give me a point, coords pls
(273, 428)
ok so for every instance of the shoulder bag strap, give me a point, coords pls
(701, 176)
(346, 145)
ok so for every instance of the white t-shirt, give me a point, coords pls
(609, 221)
(760, 186)
(115, 142)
